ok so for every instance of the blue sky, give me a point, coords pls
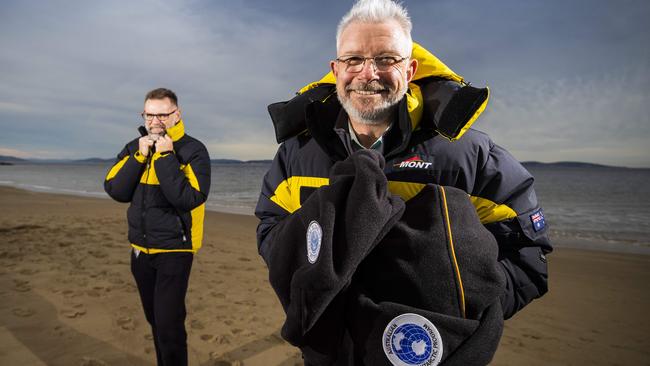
(569, 80)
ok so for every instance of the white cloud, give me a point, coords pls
(601, 120)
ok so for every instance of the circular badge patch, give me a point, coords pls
(411, 339)
(314, 237)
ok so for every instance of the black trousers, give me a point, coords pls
(162, 281)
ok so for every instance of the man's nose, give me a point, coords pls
(369, 70)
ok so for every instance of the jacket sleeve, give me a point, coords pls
(269, 210)
(522, 235)
(185, 187)
(124, 176)
(310, 263)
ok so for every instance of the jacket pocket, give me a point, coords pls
(181, 228)
(163, 229)
(134, 220)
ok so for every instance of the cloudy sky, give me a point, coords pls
(570, 80)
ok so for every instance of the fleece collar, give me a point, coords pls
(176, 131)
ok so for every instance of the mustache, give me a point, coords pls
(372, 86)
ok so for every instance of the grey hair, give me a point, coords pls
(377, 11)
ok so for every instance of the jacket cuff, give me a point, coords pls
(157, 155)
(139, 157)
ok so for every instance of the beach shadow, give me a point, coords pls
(252, 348)
(33, 321)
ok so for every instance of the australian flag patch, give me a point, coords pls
(537, 218)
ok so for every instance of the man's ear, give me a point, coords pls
(334, 67)
(411, 69)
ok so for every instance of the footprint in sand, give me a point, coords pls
(223, 339)
(22, 286)
(93, 293)
(206, 337)
(196, 324)
(226, 363)
(73, 313)
(126, 323)
(70, 293)
(23, 312)
(116, 280)
(89, 361)
(64, 244)
(246, 302)
(98, 253)
(28, 271)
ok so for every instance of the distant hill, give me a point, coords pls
(568, 164)
(234, 161)
(95, 160)
(6, 158)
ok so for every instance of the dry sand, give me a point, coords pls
(68, 297)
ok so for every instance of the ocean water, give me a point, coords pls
(235, 188)
(592, 207)
(607, 208)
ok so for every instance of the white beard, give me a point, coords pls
(376, 116)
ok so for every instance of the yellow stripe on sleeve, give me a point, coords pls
(116, 168)
(287, 194)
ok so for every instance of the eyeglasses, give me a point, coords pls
(162, 117)
(382, 63)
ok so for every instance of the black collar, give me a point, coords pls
(323, 116)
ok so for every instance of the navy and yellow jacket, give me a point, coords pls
(167, 193)
(430, 142)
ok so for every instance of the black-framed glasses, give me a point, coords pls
(162, 117)
(382, 63)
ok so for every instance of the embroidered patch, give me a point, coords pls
(414, 162)
(537, 218)
(411, 339)
(314, 237)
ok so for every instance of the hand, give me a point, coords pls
(164, 143)
(145, 145)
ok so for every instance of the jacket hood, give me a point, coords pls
(436, 92)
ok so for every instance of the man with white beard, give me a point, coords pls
(391, 108)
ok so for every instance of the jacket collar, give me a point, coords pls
(176, 131)
(321, 118)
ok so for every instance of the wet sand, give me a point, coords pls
(68, 297)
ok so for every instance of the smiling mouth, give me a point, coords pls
(368, 92)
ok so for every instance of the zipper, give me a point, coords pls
(144, 208)
(180, 223)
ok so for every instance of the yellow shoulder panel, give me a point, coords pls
(287, 195)
(116, 168)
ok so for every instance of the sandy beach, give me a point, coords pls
(68, 297)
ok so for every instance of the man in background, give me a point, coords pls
(165, 175)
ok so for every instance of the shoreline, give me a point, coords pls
(558, 239)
